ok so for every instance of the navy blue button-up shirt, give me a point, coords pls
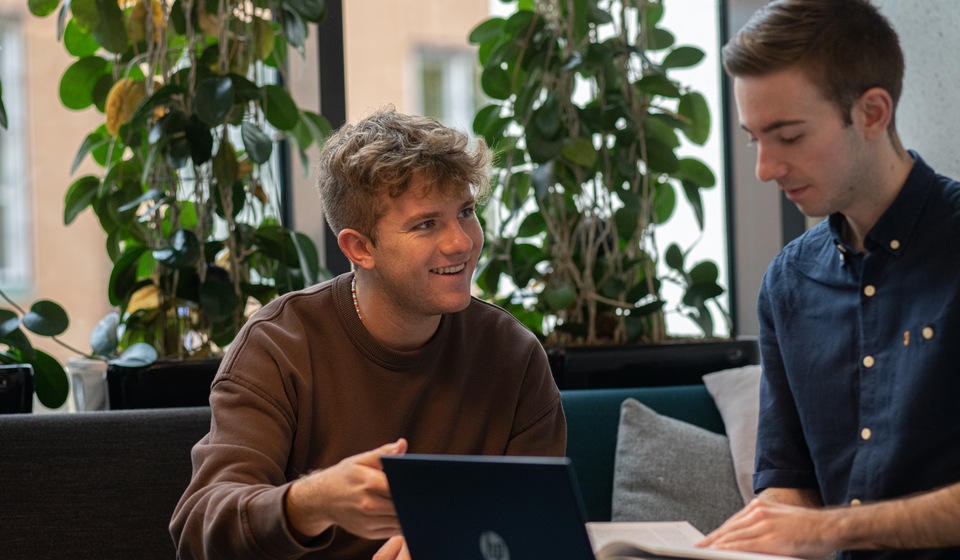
(860, 395)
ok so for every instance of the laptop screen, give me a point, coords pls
(457, 507)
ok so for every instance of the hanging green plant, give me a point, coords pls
(188, 195)
(586, 123)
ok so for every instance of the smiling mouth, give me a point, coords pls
(449, 269)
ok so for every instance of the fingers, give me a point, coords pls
(393, 549)
(372, 458)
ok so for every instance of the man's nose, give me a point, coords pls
(769, 165)
(456, 240)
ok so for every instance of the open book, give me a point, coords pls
(628, 540)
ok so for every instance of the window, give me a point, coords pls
(449, 86)
(14, 208)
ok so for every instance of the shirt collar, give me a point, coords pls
(893, 230)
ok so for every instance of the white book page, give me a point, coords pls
(671, 534)
(642, 539)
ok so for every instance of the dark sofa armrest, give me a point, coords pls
(593, 416)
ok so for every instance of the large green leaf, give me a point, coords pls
(313, 11)
(496, 82)
(225, 166)
(111, 32)
(91, 143)
(42, 8)
(78, 82)
(86, 14)
(580, 151)
(103, 339)
(694, 170)
(137, 355)
(318, 126)
(200, 139)
(693, 107)
(487, 30)
(294, 28)
(78, 43)
(682, 57)
(79, 196)
(664, 202)
(46, 318)
(9, 322)
(123, 277)
(256, 142)
(182, 252)
(308, 257)
(214, 99)
(674, 257)
(218, 299)
(280, 110)
(50, 381)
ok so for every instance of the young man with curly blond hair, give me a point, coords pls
(394, 357)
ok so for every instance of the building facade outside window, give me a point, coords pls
(15, 241)
(449, 86)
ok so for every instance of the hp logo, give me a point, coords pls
(493, 547)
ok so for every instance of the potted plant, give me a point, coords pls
(24, 368)
(188, 196)
(586, 123)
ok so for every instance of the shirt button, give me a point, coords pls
(869, 290)
(927, 332)
(866, 433)
(895, 244)
(855, 502)
(868, 361)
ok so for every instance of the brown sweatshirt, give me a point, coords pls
(304, 385)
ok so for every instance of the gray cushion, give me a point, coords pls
(668, 470)
(736, 393)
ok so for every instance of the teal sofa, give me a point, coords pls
(103, 485)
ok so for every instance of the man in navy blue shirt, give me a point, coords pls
(858, 447)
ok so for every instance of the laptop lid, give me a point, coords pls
(458, 507)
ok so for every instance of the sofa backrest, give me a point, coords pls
(94, 485)
(103, 485)
(593, 416)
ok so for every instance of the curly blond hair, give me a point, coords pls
(381, 155)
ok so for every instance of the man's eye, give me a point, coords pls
(467, 212)
(791, 139)
(424, 225)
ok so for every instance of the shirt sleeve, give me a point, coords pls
(234, 505)
(783, 457)
(542, 428)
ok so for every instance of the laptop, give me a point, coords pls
(459, 507)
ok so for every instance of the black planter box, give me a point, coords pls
(16, 388)
(657, 365)
(164, 384)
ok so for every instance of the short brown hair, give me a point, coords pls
(844, 46)
(381, 154)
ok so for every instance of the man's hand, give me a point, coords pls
(393, 549)
(774, 528)
(353, 494)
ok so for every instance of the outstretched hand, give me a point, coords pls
(353, 494)
(774, 528)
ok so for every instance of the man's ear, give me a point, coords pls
(357, 247)
(875, 107)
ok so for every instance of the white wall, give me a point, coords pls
(928, 118)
